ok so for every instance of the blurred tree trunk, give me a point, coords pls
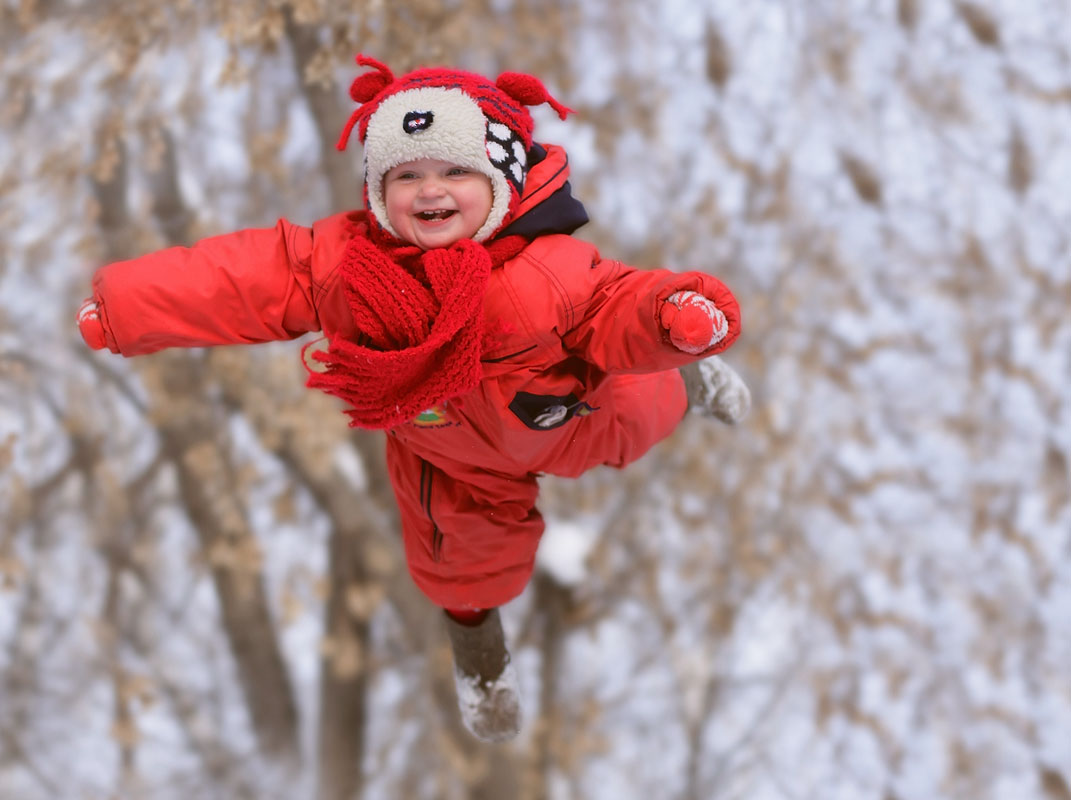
(343, 673)
(329, 115)
(552, 602)
(192, 438)
(352, 599)
(210, 493)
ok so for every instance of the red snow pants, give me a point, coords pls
(470, 524)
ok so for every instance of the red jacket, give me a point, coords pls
(586, 375)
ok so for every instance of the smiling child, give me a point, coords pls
(461, 317)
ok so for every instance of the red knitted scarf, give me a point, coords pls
(421, 314)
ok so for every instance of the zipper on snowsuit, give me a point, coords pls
(427, 473)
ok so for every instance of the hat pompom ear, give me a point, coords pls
(363, 89)
(367, 86)
(530, 91)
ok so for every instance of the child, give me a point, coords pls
(461, 318)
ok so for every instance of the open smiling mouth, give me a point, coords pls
(435, 216)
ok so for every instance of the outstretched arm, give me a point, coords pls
(243, 287)
(650, 320)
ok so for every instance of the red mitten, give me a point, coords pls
(90, 326)
(694, 323)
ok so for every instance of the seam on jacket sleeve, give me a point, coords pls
(290, 234)
(519, 308)
(566, 300)
(102, 315)
(614, 270)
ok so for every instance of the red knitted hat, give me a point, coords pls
(450, 115)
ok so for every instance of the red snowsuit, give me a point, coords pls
(584, 376)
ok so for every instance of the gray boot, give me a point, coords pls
(715, 389)
(487, 690)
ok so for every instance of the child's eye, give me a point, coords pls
(458, 171)
(405, 176)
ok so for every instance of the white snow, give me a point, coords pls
(564, 550)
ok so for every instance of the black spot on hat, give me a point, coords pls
(416, 121)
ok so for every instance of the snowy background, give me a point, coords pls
(863, 592)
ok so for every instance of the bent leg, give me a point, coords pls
(646, 409)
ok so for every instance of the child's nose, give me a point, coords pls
(432, 186)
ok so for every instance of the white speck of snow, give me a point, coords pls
(564, 550)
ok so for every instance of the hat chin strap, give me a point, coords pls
(501, 194)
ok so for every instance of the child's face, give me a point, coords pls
(434, 203)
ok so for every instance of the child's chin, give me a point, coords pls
(440, 238)
(431, 242)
